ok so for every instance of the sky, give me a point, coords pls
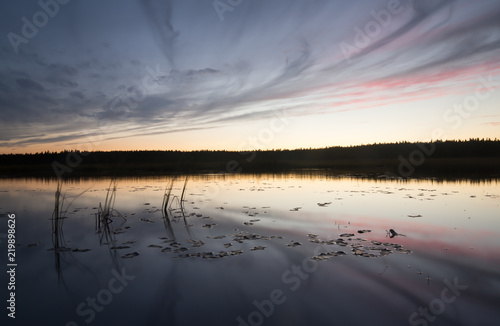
(245, 74)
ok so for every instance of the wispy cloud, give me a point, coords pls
(264, 56)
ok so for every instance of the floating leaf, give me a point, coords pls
(131, 255)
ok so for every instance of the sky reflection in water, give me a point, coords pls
(452, 229)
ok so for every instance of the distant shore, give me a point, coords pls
(449, 159)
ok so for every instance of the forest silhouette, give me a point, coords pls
(453, 158)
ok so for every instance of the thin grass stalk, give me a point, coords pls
(166, 198)
(57, 238)
(110, 201)
(103, 216)
(182, 206)
(165, 211)
(182, 194)
(57, 217)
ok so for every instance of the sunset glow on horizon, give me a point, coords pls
(246, 75)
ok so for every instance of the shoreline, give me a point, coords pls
(471, 168)
(456, 159)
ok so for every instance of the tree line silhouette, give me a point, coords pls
(470, 157)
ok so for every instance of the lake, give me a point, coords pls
(262, 249)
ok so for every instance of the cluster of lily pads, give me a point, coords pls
(369, 249)
(239, 237)
(373, 249)
(176, 247)
(376, 249)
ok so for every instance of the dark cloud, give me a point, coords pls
(29, 85)
(45, 100)
(4, 88)
(65, 69)
(62, 82)
(140, 109)
(175, 78)
(77, 94)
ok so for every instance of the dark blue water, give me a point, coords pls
(145, 270)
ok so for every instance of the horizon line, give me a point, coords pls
(256, 149)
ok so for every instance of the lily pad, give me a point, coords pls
(120, 247)
(80, 250)
(154, 246)
(131, 255)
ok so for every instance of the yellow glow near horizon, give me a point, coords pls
(360, 124)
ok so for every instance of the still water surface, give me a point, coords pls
(256, 250)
